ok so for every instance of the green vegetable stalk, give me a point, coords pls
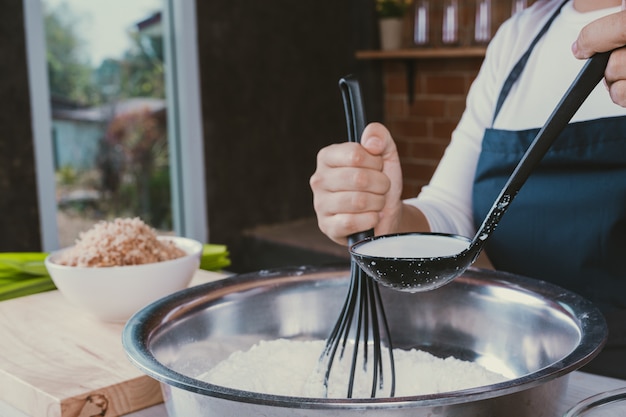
(214, 257)
(23, 273)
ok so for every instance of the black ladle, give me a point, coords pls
(415, 274)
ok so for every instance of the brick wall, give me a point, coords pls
(422, 128)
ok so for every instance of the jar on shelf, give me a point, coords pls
(482, 24)
(450, 23)
(518, 5)
(421, 23)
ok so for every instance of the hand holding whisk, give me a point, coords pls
(360, 340)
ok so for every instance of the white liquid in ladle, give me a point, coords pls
(413, 246)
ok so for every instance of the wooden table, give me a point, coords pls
(53, 358)
(58, 361)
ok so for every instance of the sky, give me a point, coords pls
(104, 23)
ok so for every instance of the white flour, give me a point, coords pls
(287, 367)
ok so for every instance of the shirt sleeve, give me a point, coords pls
(447, 200)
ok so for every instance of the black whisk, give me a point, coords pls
(361, 329)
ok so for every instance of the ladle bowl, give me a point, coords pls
(385, 258)
(406, 273)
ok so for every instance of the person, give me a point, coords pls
(606, 34)
(567, 225)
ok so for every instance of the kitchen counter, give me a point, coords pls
(54, 359)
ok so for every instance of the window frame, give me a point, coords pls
(184, 117)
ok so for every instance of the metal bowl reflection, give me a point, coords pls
(531, 331)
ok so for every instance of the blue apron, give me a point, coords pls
(567, 225)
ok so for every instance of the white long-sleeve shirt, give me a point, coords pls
(447, 200)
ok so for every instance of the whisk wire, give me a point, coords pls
(362, 320)
(340, 333)
(383, 319)
(361, 317)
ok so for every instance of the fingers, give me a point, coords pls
(348, 190)
(341, 214)
(615, 76)
(348, 154)
(606, 34)
(601, 35)
(349, 179)
(342, 225)
(351, 184)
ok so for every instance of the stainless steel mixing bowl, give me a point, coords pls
(532, 331)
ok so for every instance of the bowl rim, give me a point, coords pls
(603, 398)
(140, 328)
(197, 251)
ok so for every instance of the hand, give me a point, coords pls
(358, 187)
(603, 35)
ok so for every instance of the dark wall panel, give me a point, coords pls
(269, 73)
(19, 219)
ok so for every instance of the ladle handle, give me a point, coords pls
(587, 79)
(355, 122)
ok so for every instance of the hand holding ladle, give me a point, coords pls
(417, 262)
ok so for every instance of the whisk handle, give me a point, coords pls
(357, 237)
(355, 122)
(353, 107)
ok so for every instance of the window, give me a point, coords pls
(117, 131)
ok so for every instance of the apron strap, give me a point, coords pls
(519, 67)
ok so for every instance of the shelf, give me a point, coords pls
(424, 53)
(410, 55)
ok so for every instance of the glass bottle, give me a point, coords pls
(450, 25)
(482, 26)
(518, 6)
(421, 26)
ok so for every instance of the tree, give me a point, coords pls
(141, 135)
(69, 71)
(143, 71)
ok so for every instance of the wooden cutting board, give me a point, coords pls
(57, 361)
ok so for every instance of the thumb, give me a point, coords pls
(377, 140)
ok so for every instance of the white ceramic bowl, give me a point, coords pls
(115, 293)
